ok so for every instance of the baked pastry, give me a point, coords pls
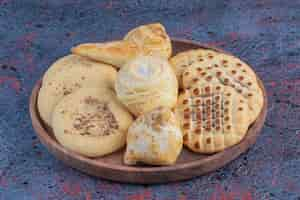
(154, 138)
(83, 73)
(152, 39)
(206, 58)
(203, 64)
(91, 122)
(145, 83)
(63, 63)
(182, 61)
(116, 53)
(213, 117)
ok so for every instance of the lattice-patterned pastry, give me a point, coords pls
(205, 58)
(213, 117)
(220, 68)
(182, 61)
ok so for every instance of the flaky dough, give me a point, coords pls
(145, 83)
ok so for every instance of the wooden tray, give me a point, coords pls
(111, 167)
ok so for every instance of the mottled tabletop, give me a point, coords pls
(265, 33)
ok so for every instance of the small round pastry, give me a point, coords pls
(152, 39)
(91, 122)
(145, 83)
(154, 138)
(63, 80)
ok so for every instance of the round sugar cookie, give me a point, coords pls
(145, 83)
(68, 79)
(154, 138)
(91, 122)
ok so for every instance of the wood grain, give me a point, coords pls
(111, 167)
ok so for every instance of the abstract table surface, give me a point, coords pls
(264, 33)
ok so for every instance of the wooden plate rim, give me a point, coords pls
(53, 144)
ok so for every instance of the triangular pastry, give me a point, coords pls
(150, 39)
(116, 53)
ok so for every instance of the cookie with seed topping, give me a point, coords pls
(91, 122)
(154, 138)
(62, 79)
(220, 68)
(213, 117)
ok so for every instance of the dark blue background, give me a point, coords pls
(265, 33)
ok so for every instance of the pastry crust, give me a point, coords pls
(154, 138)
(145, 83)
(116, 53)
(65, 79)
(91, 122)
(152, 39)
(213, 117)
